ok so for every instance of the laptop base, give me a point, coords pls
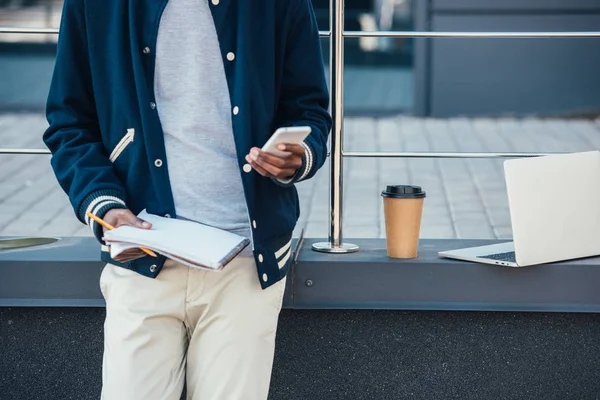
(495, 254)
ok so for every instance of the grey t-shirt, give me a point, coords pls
(194, 108)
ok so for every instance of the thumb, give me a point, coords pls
(137, 222)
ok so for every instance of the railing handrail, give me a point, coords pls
(336, 35)
(426, 34)
(361, 34)
(364, 154)
(9, 29)
(24, 151)
(440, 154)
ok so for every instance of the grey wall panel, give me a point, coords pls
(520, 76)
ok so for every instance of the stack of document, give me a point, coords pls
(190, 243)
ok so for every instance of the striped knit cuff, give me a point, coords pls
(303, 171)
(99, 203)
(308, 161)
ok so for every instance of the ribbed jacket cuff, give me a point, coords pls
(303, 171)
(99, 203)
(307, 161)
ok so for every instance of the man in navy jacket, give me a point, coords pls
(164, 106)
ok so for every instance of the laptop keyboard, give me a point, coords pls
(509, 256)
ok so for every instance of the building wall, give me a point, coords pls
(542, 76)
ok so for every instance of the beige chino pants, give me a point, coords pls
(213, 330)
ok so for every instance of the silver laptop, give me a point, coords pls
(554, 204)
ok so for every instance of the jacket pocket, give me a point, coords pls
(122, 145)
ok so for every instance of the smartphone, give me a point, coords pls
(287, 135)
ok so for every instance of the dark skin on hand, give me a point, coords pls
(119, 217)
(266, 164)
(272, 166)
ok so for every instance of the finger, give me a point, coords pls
(137, 255)
(287, 162)
(257, 167)
(257, 154)
(128, 259)
(286, 174)
(129, 256)
(295, 149)
(128, 218)
(132, 252)
(291, 161)
(271, 169)
(124, 258)
(112, 217)
(275, 172)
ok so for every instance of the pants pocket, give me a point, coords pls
(103, 283)
(281, 290)
(122, 145)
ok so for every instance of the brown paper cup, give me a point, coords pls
(403, 209)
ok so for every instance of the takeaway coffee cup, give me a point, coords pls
(403, 208)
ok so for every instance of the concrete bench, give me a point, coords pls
(355, 326)
(66, 273)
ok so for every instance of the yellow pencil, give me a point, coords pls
(110, 227)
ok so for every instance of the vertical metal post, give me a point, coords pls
(48, 19)
(336, 67)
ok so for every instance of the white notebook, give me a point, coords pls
(190, 243)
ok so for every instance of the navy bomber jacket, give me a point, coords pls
(102, 89)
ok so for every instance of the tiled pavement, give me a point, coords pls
(466, 198)
(45, 14)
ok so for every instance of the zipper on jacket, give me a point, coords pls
(122, 145)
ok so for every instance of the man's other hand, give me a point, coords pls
(120, 217)
(272, 166)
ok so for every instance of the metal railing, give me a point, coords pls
(336, 35)
(399, 34)
(336, 53)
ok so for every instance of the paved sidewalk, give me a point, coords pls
(43, 14)
(466, 198)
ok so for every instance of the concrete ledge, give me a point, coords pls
(62, 274)
(370, 280)
(66, 274)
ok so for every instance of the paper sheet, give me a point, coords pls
(188, 242)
